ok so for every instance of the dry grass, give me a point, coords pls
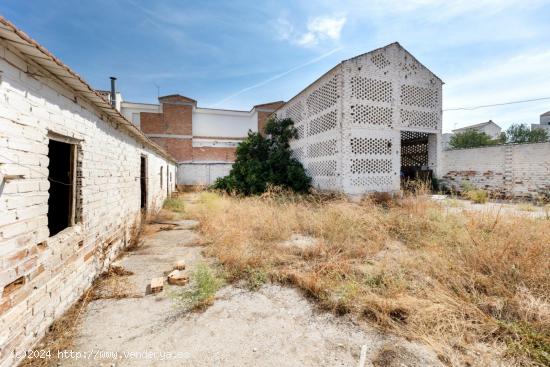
(473, 286)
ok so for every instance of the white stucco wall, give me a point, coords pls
(131, 110)
(492, 130)
(201, 174)
(223, 123)
(56, 270)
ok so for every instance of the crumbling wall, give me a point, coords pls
(41, 276)
(507, 171)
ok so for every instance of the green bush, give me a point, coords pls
(520, 134)
(205, 282)
(478, 196)
(264, 161)
(470, 139)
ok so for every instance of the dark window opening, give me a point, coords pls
(414, 156)
(161, 167)
(61, 177)
(143, 182)
(168, 180)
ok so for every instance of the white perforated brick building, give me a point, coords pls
(368, 122)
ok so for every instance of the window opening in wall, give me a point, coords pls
(414, 156)
(168, 180)
(161, 167)
(61, 172)
(143, 182)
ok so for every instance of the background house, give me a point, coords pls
(544, 122)
(202, 140)
(489, 128)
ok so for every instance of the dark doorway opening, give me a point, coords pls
(414, 156)
(143, 182)
(61, 177)
(168, 181)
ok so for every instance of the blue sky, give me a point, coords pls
(234, 54)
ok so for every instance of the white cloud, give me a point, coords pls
(317, 30)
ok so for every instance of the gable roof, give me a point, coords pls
(39, 55)
(476, 126)
(341, 63)
(546, 114)
(394, 44)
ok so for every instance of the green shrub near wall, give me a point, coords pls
(266, 160)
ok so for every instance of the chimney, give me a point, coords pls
(113, 92)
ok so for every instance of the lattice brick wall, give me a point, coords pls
(316, 117)
(350, 121)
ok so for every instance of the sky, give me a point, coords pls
(235, 54)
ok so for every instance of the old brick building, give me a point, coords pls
(76, 180)
(203, 140)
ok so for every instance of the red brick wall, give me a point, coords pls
(214, 154)
(178, 119)
(180, 149)
(151, 123)
(263, 116)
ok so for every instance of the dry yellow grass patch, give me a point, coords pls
(474, 286)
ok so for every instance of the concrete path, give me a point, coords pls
(127, 326)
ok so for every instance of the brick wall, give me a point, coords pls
(178, 118)
(520, 171)
(225, 154)
(41, 276)
(179, 148)
(264, 111)
(352, 120)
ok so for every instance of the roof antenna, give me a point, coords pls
(158, 90)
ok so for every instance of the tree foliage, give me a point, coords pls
(470, 139)
(516, 134)
(266, 160)
(520, 134)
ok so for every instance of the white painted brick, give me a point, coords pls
(28, 185)
(110, 168)
(507, 170)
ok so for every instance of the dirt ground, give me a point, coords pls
(125, 325)
(493, 208)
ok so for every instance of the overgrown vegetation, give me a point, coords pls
(477, 196)
(471, 139)
(266, 160)
(470, 192)
(174, 204)
(515, 134)
(521, 134)
(204, 283)
(473, 285)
